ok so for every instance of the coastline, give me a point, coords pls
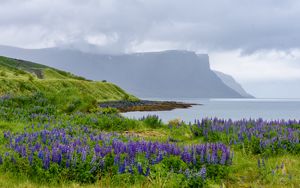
(145, 105)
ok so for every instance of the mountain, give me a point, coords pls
(230, 82)
(166, 74)
(23, 78)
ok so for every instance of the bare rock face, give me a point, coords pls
(166, 74)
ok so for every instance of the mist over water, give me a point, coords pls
(268, 109)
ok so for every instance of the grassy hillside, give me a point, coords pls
(68, 91)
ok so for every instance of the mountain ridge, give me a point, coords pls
(165, 74)
(232, 83)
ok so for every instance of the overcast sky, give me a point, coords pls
(256, 41)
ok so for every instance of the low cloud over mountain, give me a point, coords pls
(170, 73)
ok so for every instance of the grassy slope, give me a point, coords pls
(24, 78)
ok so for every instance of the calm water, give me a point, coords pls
(269, 109)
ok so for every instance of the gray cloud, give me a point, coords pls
(256, 41)
(193, 24)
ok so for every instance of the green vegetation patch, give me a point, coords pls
(65, 90)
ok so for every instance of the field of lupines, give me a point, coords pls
(256, 136)
(84, 155)
(101, 148)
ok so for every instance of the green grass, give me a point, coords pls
(244, 171)
(61, 100)
(69, 92)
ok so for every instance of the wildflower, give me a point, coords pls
(130, 170)
(159, 158)
(186, 156)
(122, 168)
(140, 168)
(117, 159)
(93, 159)
(93, 169)
(30, 158)
(203, 172)
(147, 171)
(187, 173)
(46, 159)
(83, 155)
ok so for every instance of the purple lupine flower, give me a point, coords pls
(140, 168)
(46, 159)
(208, 158)
(186, 156)
(83, 155)
(93, 159)
(101, 163)
(40, 154)
(187, 173)
(97, 149)
(130, 170)
(93, 169)
(194, 160)
(122, 168)
(203, 172)
(223, 157)
(117, 159)
(159, 158)
(30, 158)
(56, 155)
(214, 155)
(147, 171)
(68, 163)
(148, 155)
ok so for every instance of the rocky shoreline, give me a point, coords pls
(145, 105)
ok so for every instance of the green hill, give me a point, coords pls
(23, 78)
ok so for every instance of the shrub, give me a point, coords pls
(109, 110)
(153, 121)
(174, 163)
(175, 122)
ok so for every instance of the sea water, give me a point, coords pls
(235, 109)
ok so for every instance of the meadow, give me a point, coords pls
(54, 134)
(41, 146)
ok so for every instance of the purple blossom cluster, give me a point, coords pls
(269, 134)
(70, 147)
(5, 97)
